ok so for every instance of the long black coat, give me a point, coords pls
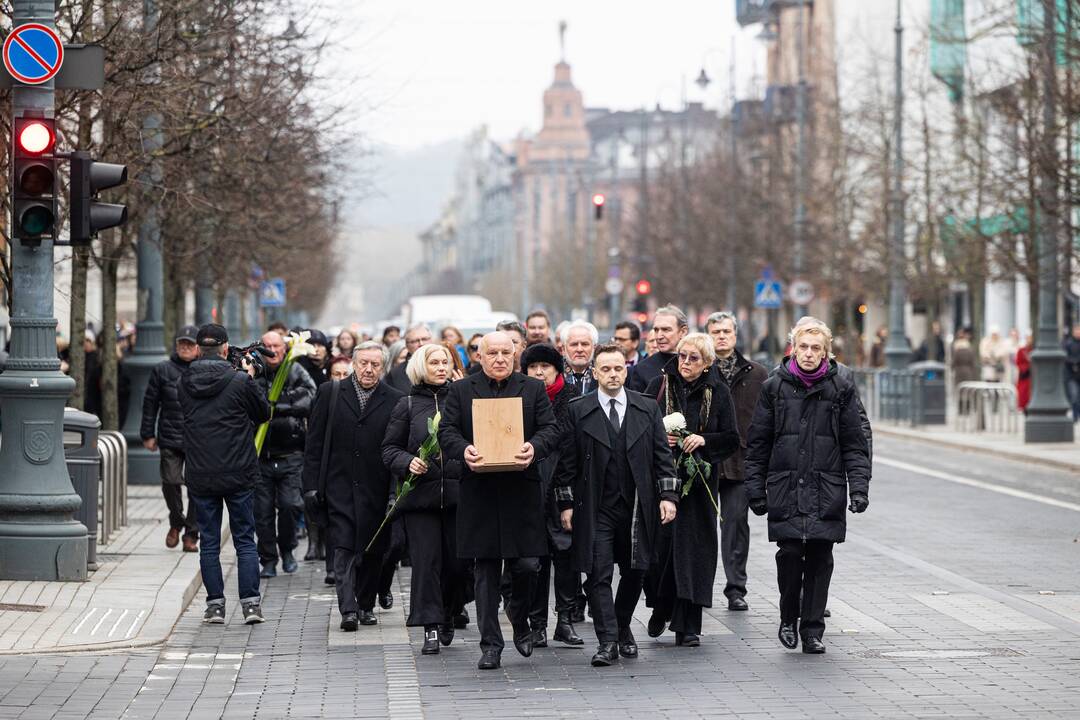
(691, 545)
(559, 538)
(407, 430)
(289, 424)
(358, 484)
(646, 370)
(499, 514)
(806, 450)
(162, 396)
(584, 462)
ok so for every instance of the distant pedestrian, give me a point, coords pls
(537, 328)
(1023, 373)
(222, 407)
(628, 338)
(650, 343)
(669, 327)
(473, 349)
(390, 335)
(806, 454)
(162, 430)
(993, 356)
(345, 342)
(1072, 370)
(316, 363)
(517, 333)
(339, 367)
(456, 340)
(579, 339)
(415, 336)
(965, 361)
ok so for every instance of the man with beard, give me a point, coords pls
(616, 485)
(579, 338)
(669, 327)
(500, 514)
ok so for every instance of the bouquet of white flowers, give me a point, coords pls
(675, 424)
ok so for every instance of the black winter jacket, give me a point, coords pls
(222, 407)
(806, 450)
(288, 426)
(407, 430)
(162, 397)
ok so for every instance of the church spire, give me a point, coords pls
(562, 41)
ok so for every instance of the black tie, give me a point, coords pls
(613, 416)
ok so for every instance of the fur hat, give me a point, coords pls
(541, 353)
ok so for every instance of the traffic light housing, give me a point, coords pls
(598, 205)
(88, 215)
(33, 181)
(640, 305)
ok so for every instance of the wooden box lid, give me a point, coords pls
(498, 432)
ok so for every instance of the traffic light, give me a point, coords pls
(33, 206)
(643, 287)
(640, 305)
(598, 205)
(88, 215)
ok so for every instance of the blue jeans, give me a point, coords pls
(242, 524)
(1072, 389)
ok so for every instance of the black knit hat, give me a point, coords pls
(541, 353)
(212, 335)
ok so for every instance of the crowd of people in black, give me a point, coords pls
(635, 451)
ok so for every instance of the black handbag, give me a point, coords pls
(317, 510)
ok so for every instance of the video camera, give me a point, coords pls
(253, 353)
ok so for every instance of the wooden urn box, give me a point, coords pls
(498, 433)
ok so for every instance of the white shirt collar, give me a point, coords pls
(620, 399)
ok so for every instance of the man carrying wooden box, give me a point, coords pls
(499, 422)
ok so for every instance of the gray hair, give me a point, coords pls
(722, 316)
(809, 324)
(416, 370)
(673, 311)
(512, 326)
(376, 345)
(417, 326)
(594, 334)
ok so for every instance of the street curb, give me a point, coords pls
(1004, 454)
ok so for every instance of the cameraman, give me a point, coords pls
(278, 501)
(221, 409)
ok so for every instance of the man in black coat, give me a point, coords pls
(612, 477)
(807, 452)
(669, 327)
(415, 336)
(221, 409)
(357, 484)
(744, 379)
(162, 429)
(278, 503)
(500, 515)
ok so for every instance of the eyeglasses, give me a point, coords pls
(474, 348)
(687, 358)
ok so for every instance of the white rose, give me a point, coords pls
(673, 423)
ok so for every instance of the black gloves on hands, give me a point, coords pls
(759, 506)
(859, 503)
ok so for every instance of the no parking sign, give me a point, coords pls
(33, 53)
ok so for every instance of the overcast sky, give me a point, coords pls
(430, 70)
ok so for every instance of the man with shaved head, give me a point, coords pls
(500, 514)
(278, 502)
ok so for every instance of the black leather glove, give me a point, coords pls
(759, 506)
(859, 503)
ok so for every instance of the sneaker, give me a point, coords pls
(214, 615)
(253, 614)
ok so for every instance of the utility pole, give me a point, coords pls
(896, 347)
(1047, 417)
(800, 152)
(39, 538)
(149, 330)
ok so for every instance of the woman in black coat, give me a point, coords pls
(806, 451)
(357, 485)
(681, 580)
(430, 510)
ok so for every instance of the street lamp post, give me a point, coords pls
(800, 153)
(896, 347)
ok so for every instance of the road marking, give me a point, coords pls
(87, 616)
(103, 619)
(134, 624)
(971, 482)
(117, 623)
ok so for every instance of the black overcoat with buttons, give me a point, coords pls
(358, 483)
(806, 450)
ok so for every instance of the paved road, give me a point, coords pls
(941, 604)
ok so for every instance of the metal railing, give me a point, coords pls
(112, 503)
(987, 407)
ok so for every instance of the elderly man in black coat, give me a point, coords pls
(807, 452)
(357, 484)
(500, 514)
(616, 484)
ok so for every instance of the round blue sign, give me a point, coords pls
(33, 53)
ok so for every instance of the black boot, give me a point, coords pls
(564, 631)
(540, 639)
(431, 640)
(606, 655)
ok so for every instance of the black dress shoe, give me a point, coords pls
(577, 614)
(687, 639)
(828, 613)
(368, 618)
(813, 646)
(330, 579)
(523, 642)
(490, 660)
(627, 643)
(349, 622)
(386, 600)
(461, 620)
(607, 654)
(446, 634)
(564, 631)
(657, 624)
(539, 637)
(788, 637)
(737, 603)
(431, 641)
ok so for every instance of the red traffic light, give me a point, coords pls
(598, 199)
(643, 287)
(36, 138)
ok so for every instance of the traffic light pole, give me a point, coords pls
(39, 539)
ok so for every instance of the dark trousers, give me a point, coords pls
(242, 526)
(803, 572)
(611, 544)
(399, 549)
(567, 586)
(435, 589)
(488, 573)
(357, 576)
(734, 536)
(172, 487)
(278, 505)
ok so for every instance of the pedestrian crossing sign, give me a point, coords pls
(767, 294)
(272, 293)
